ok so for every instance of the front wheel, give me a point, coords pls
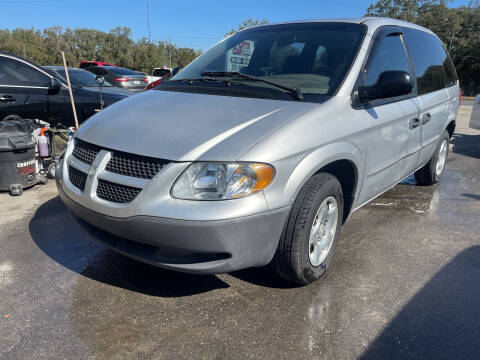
(307, 247)
(431, 172)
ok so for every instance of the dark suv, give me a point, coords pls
(30, 91)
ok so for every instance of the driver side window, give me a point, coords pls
(13, 72)
(388, 55)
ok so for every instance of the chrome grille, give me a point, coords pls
(85, 152)
(135, 165)
(77, 178)
(122, 163)
(116, 193)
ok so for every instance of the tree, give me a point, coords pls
(247, 24)
(116, 46)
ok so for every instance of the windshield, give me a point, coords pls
(81, 78)
(312, 57)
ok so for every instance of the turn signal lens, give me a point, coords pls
(222, 181)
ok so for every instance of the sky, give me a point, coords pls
(195, 24)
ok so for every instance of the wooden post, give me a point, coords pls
(70, 91)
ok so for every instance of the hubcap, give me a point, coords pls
(323, 231)
(441, 158)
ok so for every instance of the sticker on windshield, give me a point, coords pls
(239, 56)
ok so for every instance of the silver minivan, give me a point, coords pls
(260, 149)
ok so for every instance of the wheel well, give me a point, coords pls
(346, 173)
(451, 127)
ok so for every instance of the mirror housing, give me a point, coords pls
(389, 84)
(100, 80)
(55, 85)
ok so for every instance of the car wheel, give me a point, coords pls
(51, 171)
(431, 172)
(312, 231)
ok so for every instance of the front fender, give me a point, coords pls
(306, 165)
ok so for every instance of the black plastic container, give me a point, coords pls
(17, 156)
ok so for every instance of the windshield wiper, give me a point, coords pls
(295, 91)
(205, 78)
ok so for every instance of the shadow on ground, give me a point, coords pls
(57, 235)
(467, 145)
(442, 321)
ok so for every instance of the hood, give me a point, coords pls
(187, 127)
(110, 90)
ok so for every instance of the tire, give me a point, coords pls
(293, 258)
(430, 174)
(51, 171)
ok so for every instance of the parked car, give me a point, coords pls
(86, 64)
(167, 76)
(159, 73)
(121, 77)
(259, 150)
(30, 91)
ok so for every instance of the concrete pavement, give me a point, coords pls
(404, 284)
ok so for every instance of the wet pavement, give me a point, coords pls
(404, 284)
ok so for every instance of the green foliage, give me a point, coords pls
(458, 28)
(116, 46)
(247, 24)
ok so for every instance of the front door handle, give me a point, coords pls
(414, 123)
(426, 118)
(7, 98)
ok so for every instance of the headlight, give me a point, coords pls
(221, 181)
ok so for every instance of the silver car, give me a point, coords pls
(260, 149)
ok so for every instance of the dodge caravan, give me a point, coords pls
(260, 149)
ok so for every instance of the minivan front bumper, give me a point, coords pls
(196, 246)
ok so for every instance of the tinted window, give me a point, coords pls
(81, 78)
(388, 54)
(97, 70)
(14, 72)
(161, 72)
(121, 71)
(426, 52)
(87, 64)
(313, 57)
(450, 72)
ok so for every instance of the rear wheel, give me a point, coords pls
(431, 172)
(306, 249)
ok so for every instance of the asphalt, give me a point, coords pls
(405, 284)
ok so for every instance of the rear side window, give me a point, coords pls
(426, 51)
(388, 54)
(450, 72)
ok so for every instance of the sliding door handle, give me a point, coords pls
(426, 118)
(414, 123)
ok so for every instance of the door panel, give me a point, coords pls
(392, 147)
(23, 89)
(434, 115)
(24, 101)
(394, 129)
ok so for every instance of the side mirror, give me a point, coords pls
(175, 71)
(389, 84)
(100, 80)
(55, 85)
